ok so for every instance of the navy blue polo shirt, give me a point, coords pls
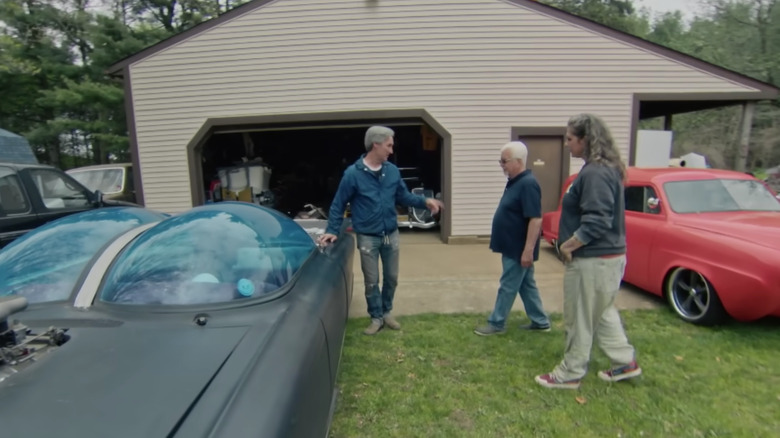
(522, 201)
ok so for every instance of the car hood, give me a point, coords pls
(761, 228)
(128, 380)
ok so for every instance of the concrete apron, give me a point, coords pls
(439, 278)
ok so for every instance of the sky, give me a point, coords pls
(688, 7)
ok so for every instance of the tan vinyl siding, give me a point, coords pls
(479, 67)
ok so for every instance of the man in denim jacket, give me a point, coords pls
(373, 187)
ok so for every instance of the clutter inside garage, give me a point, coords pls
(297, 170)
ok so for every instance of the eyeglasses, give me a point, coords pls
(503, 161)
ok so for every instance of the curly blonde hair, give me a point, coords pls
(599, 145)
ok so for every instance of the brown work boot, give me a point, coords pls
(391, 322)
(376, 325)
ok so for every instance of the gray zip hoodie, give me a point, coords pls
(593, 209)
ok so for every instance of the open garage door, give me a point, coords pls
(307, 159)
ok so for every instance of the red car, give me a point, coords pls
(707, 240)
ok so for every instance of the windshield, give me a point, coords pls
(107, 181)
(45, 264)
(214, 253)
(714, 195)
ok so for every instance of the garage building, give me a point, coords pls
(297, 82)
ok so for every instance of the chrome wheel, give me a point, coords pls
(693, 298)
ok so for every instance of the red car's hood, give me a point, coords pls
(761, 228)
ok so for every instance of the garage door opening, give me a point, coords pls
(306, 162)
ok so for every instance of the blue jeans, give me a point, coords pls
(517, 279)
(371, 248)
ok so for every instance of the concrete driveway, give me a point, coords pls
(439, 278)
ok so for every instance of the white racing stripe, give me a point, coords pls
(89, 287)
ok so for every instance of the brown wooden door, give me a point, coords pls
(547, 161)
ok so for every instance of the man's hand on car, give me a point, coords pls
(326, 239)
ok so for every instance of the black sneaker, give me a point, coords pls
(535, 327)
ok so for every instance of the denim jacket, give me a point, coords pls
(372, 199)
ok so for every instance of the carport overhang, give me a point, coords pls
(652, 105)
(322, 120)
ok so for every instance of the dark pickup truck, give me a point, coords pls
(33, 194)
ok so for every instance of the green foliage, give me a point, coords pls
(435, 378)
(617, 14)
(53, 57)
(670, 30)
(744, 36)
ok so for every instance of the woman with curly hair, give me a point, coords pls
(592, 229)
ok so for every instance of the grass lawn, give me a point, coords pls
(435, 378)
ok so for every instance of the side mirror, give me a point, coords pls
(653, 203)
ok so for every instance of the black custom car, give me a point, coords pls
(225, 321)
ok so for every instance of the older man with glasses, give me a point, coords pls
(515, 235)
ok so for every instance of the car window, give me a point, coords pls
(45, 264)
(714, 195)
(108, 181)
(642, 199)
(12, 198)
(214, 253)
(58, 191)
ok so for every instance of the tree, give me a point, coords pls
(36, 61)
(54, 54)
(617, 14)
(744, 35)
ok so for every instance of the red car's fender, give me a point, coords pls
(744, 281)
(550, 226)
(551, 219)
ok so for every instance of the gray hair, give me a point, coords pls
(599, 145)
(377, 134)
(518, 149)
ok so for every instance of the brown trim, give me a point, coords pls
(668, 122)
(468, 240)
(133, 138)
(366, 117)
(543, 130)
(766, 91)
(696, 97)
(636, 105)
(194, 162)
